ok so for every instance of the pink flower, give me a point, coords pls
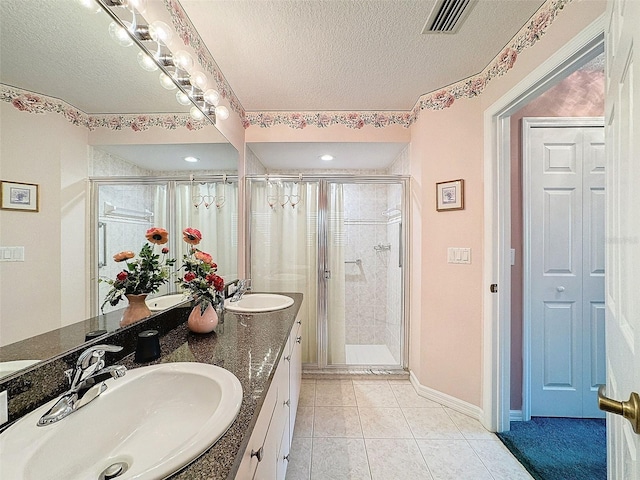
(122, 276)
(443, 99)
(165, 250)
(189, 276)
(204, 257)
(122, 256)
(508, 58)
(192, 236)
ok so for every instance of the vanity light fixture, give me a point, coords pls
(199, 79)
(196, 113)
(166, 81)
(120, 34)
(183, 98)
(183, 60)
(146, 62)
(191, 159)
(176, 68)
(326, 157)
(222, 112)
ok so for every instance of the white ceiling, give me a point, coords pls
(168, 157)
(323, 55)
(306, 156)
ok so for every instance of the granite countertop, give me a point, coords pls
(250, 347)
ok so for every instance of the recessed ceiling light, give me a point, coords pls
(326, 157)
(190, 159)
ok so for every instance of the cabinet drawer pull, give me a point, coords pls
(288, 358)
(286, 457)
(288, 403)
(299, 339)
(299, 322)
(259, 454)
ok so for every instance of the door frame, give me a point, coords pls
(527, 298)
(496, 328)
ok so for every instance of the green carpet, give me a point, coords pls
(560, 448)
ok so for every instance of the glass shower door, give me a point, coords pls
(364, 277)
(125, 212)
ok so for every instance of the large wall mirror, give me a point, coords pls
(58, 67)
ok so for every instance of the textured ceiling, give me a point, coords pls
(321, 55)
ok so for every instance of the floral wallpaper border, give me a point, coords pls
(437, 100)
(30, 102)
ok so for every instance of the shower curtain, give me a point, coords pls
(218, 222)
(284, 255)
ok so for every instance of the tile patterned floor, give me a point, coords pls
(383, 430)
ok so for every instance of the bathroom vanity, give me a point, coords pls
(263, 350)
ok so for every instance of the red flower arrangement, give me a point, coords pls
(200, 278)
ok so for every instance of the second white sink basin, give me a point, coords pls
(158, 304)
(154, 420)
(259, 302)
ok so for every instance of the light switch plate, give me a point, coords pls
(458, 255)
(11, 254)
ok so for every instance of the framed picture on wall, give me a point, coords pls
(450, 195)
(19, 196)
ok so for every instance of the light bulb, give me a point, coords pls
(166, 81)
(139, 5)
(212, 96)
(160, 32)
(196, 114)
(91, 5)
(183, 60)
(120, 35)
(222, 112)
(182, 98)
(199, 79)
(146, 62)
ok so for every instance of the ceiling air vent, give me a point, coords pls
(447, 16)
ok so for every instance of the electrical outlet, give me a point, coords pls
(4, 408)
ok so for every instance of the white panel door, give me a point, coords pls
(565, 274)
(622, 37)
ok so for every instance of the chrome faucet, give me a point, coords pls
(243, 287)
(86, 382)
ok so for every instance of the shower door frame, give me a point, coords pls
(323, 182)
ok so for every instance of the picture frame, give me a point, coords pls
(19, 196)
(450, 195)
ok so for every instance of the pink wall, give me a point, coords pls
(447, 145)
(579, 95)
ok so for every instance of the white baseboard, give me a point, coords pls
(453, 403)
(515, 415)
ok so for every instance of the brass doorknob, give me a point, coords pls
(629, 409)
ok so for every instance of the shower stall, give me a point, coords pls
(124, 208)
(339, 241)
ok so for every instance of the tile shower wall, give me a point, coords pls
(366, 294)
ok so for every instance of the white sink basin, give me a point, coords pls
(167, 301)
(155, 419)
(259, 302)
(7, 368)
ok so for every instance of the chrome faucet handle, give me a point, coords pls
(97, 352)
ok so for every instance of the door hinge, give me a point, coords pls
(493, 288)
